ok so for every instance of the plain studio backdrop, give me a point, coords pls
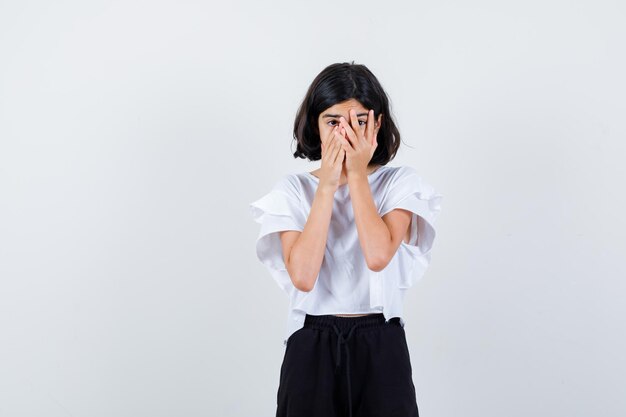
(134, 134)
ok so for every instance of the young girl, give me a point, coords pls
(345, 242)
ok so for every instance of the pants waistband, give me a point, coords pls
(329, 321)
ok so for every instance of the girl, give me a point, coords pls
(345, 242)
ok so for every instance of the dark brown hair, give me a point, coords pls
(335, 84)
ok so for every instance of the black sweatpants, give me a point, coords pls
(347, 367)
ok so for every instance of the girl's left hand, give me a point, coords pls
(360, 144)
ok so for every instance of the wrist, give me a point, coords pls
(357, 177)
(324, 189)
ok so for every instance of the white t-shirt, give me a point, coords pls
(345, 285)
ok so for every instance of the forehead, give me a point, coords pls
(345, 106)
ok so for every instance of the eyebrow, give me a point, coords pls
(339, 115)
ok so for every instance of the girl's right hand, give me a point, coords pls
(333, 155)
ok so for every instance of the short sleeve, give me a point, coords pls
(276, 211)
(409, 191)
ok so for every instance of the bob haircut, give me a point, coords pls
(335, 84)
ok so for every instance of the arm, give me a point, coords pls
(304, 251)
(379, 237)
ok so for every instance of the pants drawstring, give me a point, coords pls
(341, 340)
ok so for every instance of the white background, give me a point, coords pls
(134, 134)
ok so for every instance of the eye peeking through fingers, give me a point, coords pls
(336, 122)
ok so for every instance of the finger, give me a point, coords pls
(354, 121)
(336, 150)
(346, 145)
(328, 146)
(330, 135)
(327, 141)
(369, 129)
(332, 132)
(380, 119)
(350, 132)
(339, 157)
(343, 141)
